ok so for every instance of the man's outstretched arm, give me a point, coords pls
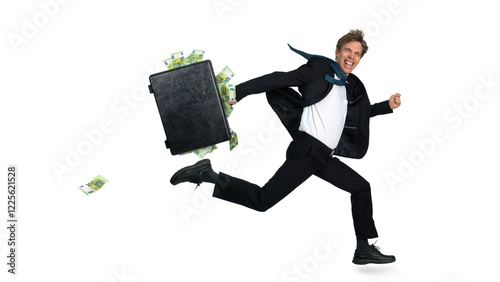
(277, 79)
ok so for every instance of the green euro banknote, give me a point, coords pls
(195, 57)
(224, 75)
(204, 151)
(227, 91)
(224, 91)
(94, 185)
(232, 92)
(177, 60)
(234, 140)
(228, 109)
(168, 61)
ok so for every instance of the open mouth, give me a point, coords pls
(348, 63)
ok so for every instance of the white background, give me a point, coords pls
(67, 67)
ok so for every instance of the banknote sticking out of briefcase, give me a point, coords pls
(190, 107)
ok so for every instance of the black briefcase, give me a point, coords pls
(190, 107)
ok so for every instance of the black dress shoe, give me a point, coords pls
(191, 173)
(372, 256)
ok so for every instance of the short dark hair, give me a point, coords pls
(353, 35)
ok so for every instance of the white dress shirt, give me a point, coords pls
(325, 119)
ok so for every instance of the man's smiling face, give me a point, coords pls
(348, 57)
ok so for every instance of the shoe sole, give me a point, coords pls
(363, 262)
(199, 163)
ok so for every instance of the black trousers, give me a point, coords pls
(305, 156)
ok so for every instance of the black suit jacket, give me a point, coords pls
(310, 80)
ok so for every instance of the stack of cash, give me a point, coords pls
(223, 78)
(195, 57)
(224, 75)
(94, 185)
(176, 60)
(227, 91)
(224, 92)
